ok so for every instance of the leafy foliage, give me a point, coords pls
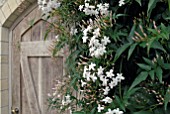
(139, 48)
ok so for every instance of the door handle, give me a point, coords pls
(15, 111)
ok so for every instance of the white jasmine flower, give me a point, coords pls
(107, 100)
(91, 7)
(99, 52)
(73, 31)
(106, 5)
(54, 94)
(121, 2)
(96, 32)
(47, 7)
(67, 97)
(119, 77)
(106, 90)
(117, 111)
(88, 76)
(81, 7)
(56, 37)
(87, 11)
(87, 5)
(100, 70)
(105, 80)
(85, 39)
(95, 12)
(96, 53)
(103, 8)
(85, 71)
(105, 40)
(87, 0)
(63, 102)
(83, 83)
(101, 77)
(85, 32)
(91, 66)
(96, 42)
(109, 111)
(92, 41)
(110, 74)
(91, 21)
(71, 112)
(67, 100)
(113, 83)
(93, 77)
(89, 28)
(100, 108)
(99, 5)
(92, 49)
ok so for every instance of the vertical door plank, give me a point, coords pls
(52, 70)
(16, 99)
(28, 81)
(40, 84)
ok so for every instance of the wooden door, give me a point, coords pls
(34, 71)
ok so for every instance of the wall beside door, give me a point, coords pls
(9, 12)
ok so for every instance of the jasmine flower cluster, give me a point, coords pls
(96, 41)
(115, 111)
(48, 6)
(107, 78)
(88, 9)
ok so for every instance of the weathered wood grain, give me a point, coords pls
(34, 71)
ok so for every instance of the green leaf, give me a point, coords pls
(169, 4)
(130, 92)
(118, 15)
(118, 100)
(78, 112)
(139, 1)
(132, 47)
(143, 112)
(159, 73)
(74, 82)
(148, 61)
(46, 34)
(93, 110)
(121, 50)
(151, 6)
(144, 66)
(168, 18)
(141, 77)
(152, 74)
(166, 98)
(131, 33)
(157, 45)
(166, 66)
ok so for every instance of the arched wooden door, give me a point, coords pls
(33, 70)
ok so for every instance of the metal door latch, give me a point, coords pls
(15, 111)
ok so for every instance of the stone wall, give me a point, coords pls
(2, 2)
(10, 10)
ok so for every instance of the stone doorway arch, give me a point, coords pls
(10, 12)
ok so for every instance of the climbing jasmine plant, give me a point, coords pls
(119, 55)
